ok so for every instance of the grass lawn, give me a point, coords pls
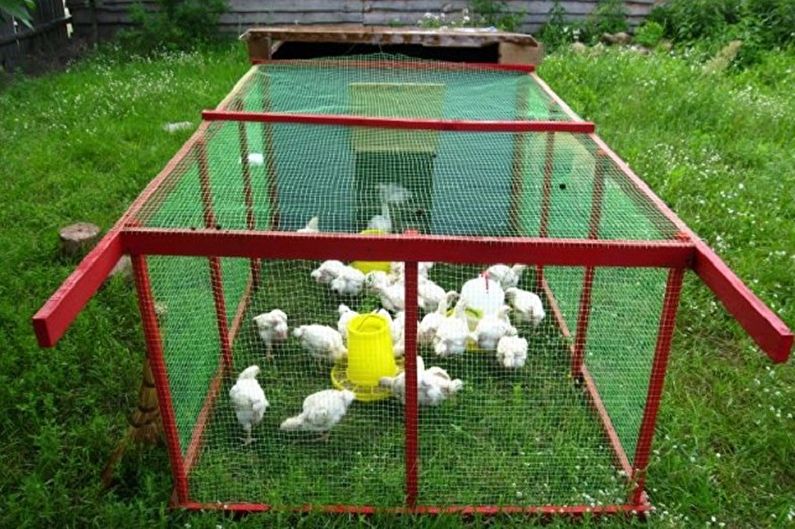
(80, 145)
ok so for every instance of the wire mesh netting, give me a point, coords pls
(505, 416)
(524, 435)
(396, 86)
(443, 183)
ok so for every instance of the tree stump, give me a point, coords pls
(78, 238)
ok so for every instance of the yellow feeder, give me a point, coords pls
(366, 267)
(370, 357)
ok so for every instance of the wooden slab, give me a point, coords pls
(523, 48)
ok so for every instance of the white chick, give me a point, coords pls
(392, 295)
(248, 400)
(382, 222)
(327, 271)
(349, 282)
(453, 332)
(321, 341)
(491, 328)
(440, 385)
(431, 321)
(393, 193)
(346, 315)
(321, 412)
(272, 327)
(429, 294)
(506, 276)
(313, 226)
(433, 385)
(512, 351)
(528, 306)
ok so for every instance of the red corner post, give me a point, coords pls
(154, 353)
(411, 410)
(656, 381)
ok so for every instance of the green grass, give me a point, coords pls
(81, 144)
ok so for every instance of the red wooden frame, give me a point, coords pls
(411, 409)
(454, 125)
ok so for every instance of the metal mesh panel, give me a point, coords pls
(330, 86)
(183, 297)
(460, 183)
(526, 436)
(622, 335)
(529, 435)
(360, 463)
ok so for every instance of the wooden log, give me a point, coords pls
(77, 239)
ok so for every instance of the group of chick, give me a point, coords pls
(446, 331)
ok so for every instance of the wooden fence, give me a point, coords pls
(242, 14)
(18, 42)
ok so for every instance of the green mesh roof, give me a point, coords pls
(325, 87)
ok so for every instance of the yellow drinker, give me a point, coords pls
(370, 357)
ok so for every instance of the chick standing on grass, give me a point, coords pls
(272, 327)
(491, 328)
(321, 412)
(512, 352)
(327, 271)
(434, 385)
(248, 400)
(506, 276)
(527, 305)
(430, 323)
(392, 295)
(349, 281)
(322, 342)
(429, 294)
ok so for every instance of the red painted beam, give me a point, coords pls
(762, 324)
(454, 125)
(58, 313)
(154, 353)
(403, 65)
(411, 409)
(348, 246)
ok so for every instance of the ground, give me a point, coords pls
(80, 145)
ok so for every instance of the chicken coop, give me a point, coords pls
(466, 166)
